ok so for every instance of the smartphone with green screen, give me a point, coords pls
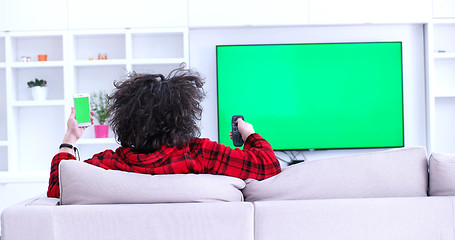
(82, 106)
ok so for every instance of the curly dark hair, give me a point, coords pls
(149, 111)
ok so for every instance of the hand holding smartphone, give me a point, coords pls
(82, 107)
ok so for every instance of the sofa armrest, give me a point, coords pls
(40, 200)
(29, 219)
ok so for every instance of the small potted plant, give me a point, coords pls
(38, 89)
(99, 104)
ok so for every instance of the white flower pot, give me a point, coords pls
(39, 93)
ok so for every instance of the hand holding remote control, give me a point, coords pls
(236, 136)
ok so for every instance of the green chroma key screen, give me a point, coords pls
(82, 109)
(313, 96)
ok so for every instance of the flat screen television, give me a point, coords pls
(313, 96)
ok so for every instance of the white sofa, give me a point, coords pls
(380, 195)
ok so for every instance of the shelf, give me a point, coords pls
(86, 45)
(444, 39)
(157, 45)
(108, 62)
(445, 96)
(114, 62)
(37, 64)
(96, 141)
(158, 61)
(31, 45)
(33, 103)
(445, 55)
(444, 129)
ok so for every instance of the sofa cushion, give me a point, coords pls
(188, 221)
(83, 183)
(416, 218)
(392, 173)
(442, 174)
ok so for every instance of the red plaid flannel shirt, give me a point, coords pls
(256, 161)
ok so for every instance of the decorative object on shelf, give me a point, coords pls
(42, 57)
(102, 56)
(101, 131)
(38, 89)
(26, 59)
(99, 104)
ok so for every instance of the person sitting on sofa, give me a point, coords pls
(155, 121)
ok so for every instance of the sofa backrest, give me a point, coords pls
(399, 172)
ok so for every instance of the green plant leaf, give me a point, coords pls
(37, 83)
(99, 105)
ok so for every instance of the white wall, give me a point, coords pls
(203, 58)
(12, 193)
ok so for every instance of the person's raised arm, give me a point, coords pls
(257, 159)
(73, 133)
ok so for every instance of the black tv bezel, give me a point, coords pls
(318, 43)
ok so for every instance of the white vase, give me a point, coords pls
(39, 93)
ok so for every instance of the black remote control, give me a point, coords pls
(236, 137)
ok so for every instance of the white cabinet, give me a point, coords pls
(26, 15)
(99, 14)
(203, 13)
(369, 11)
(440, 38)
(32, 130)
(3, 17)
(443, 9)
(441, 84)
(19, 15)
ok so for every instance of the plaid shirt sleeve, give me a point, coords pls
(53, 190)
(256, 161)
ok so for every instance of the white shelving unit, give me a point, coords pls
(31, 131)
(3, 126)
(441, 84)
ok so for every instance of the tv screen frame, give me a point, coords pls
(270, 65)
